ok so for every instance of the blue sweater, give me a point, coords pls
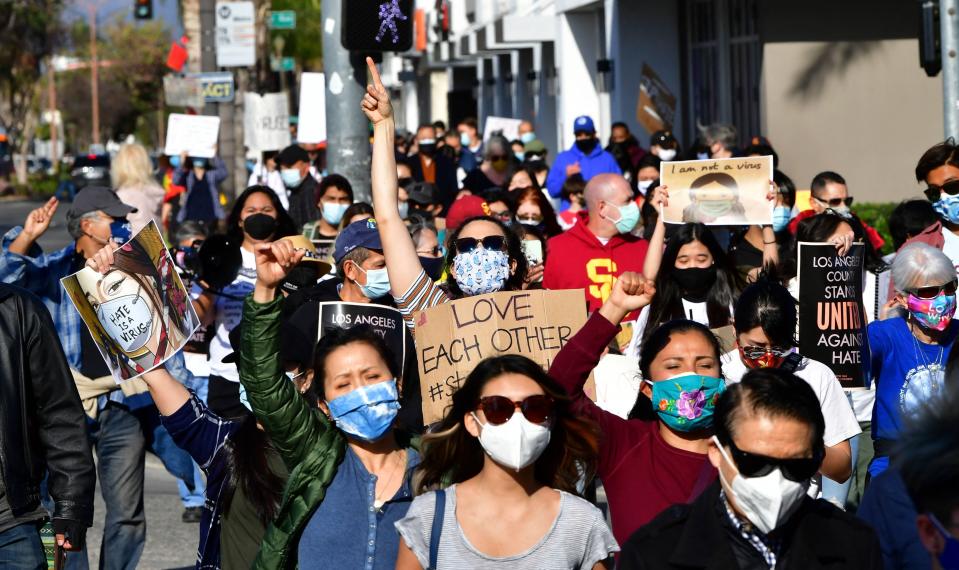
(597, 162)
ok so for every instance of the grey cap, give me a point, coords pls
(93, 198)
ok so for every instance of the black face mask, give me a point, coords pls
(695, 281)
(259, 226)
(428, 149)
(300, 277)
(586, 146)
(433, 266)
(404, 182)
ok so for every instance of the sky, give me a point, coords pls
(164, 10)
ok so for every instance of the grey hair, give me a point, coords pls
(496, 142)
(189, 229)
(721, 133)
(919, 265)
(74, 222)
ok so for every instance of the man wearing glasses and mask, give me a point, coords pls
(938, 169)
(828, 192)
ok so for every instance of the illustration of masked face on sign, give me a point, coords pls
(138, 312)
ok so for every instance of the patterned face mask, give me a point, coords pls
(686, 402)
(935, 313)
(948, 207)
(367, 412)
(481, 271)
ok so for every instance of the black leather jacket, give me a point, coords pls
(42, 424)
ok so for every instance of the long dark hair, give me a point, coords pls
(248, 452)
(452, 455)
(285, 226)
(668, 302)
(514, 250)
(653, 345)
(818, 229)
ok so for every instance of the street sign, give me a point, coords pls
(282, 64)
(235, 34)
(283, 20)
(217, 86)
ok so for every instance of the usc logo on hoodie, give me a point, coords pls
(602, 273)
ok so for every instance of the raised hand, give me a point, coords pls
(39, 220)
(631, 292)
(376, 103)
(274, 261)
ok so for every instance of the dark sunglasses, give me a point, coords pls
(933, 291)
(499, 409)
(434, 252)
(754, 465)
(497, 157)
(934, 193)
(756, 352)
(466, 245)
(503, 215)
(530, 218)
(836, 202)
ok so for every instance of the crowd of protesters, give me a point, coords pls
(292, 452)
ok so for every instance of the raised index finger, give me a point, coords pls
(374, 73)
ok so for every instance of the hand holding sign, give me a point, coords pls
(102, 260)
(376, 103)
(273, 262)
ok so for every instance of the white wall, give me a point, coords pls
(577, 49)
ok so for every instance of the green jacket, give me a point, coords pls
(306, 440)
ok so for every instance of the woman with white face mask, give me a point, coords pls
(512, 454)
(768, 443)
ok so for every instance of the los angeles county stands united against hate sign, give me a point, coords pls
(452, 338)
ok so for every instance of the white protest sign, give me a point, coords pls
(195, 135)
(266, 121)
(235, 34)
(311, 127)
(509, 128)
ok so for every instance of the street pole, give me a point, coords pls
(949, 40)
(54, 126)
(208, 43)
(94, 78)
(348, 139)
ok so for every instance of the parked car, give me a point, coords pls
(91, 170)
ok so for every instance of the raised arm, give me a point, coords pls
(657, 242)
(402, 263)
(168, 394)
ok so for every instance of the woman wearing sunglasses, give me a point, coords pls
(768, 444)
(909, 354)
(765, 321)
(482, 255)
(511, 452)
(657, 457)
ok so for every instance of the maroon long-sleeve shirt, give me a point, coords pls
(642, 474)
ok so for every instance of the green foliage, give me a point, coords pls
(305, 43)
(877, 215)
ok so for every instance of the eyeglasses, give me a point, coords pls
(835, 202)
(499, 409)
(757, 352)
(755, 465)
(466, 245)
(535, 218)
(934, 193)
(503, 215)
(933, 291)
(433, 252)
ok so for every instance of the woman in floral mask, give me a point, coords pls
(909, 354)
(657, 457)
(483, 256)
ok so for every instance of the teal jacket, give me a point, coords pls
(309, 444)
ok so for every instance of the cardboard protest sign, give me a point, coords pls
(182, 91)
(505, 126)
(719, 192)
(452, 338)
(656, 106)
(831, 316)
(138, 313)
(266, 121)
(311, 127)
(195, 135)
(386, 322)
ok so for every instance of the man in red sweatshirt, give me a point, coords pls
(591, 255)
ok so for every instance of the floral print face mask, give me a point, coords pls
(686, 402)
(481, 271)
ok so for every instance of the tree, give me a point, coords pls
(33, 31)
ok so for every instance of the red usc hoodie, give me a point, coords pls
(578, 260)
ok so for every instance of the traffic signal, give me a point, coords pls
(930, 56)
(143, 9)
(377, 25)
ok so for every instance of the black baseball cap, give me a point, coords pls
(93, 198)
(291, 155)
(664, 139)
(421, 192)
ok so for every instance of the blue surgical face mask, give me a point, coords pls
(948, 207)
(519, 156)
(333, 212)
(120, 231)
(377, 283)
(199, 163)
(527, 138)
(686, 402)
(291, 177)
(465, 139)
(175, 161)
(781, 217)
(404, 208)
(367, 412)
(949, 557)
(628, 217)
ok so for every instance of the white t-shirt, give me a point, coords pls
(617, 383)
(229, 311)
(694, 311)
(951, 246)
(273, 179)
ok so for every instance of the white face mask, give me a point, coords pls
(666, 154)
(766, 501)
(516, 443)
(644, 185)
(128, 320)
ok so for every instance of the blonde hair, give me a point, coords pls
(132, 167)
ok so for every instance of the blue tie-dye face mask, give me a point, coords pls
(367, 412)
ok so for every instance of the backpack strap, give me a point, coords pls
(438, 514)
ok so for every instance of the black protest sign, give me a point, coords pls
(831, 315)
(386, 322)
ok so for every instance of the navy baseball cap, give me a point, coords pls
(358, 234)
(583, 124)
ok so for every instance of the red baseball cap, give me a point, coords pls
(465, 208)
